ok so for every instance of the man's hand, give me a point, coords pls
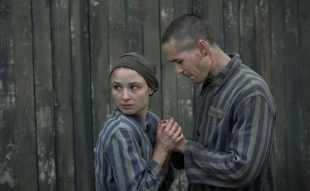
(169, 134)
(180, 143)
(180, 146)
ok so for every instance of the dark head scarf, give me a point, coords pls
(139, 64)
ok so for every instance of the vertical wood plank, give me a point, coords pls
(247, 34)
(83, 154)
(134, 24)
(8, 147)
(169, 78)
(61, 55)
(263, 38)
(24, 160)
(152, 48)
(44, 95)
(304, 43)
(118, 42)
(293, 94)
(231, 26)
(279, 90)
(99, 47)
(213, 12)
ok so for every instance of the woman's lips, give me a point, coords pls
(126, 106)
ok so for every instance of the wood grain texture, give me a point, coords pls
(100, 66)
(44, 95)
(8, 147)
(152, 48)
(20, 165)
(81, 84)
(62, 76)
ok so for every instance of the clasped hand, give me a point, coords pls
(169, 135)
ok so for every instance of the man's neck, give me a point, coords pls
(221, 59)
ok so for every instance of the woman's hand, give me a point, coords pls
(169, 134)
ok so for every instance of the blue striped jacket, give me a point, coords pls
(234, 117)
(124, 155)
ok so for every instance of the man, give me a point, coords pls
(133, 148)
(233, 112)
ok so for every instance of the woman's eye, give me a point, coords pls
(116, 87)
(134, 87)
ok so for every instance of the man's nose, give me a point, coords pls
(179, 69)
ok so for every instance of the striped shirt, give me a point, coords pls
(124, 155)
(234, 116)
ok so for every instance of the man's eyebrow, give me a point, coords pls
(174, 60)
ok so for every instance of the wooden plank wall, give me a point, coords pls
(54, 94)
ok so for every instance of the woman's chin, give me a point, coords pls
(127, 111)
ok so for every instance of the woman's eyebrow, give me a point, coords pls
(115, 82)
(135, 83)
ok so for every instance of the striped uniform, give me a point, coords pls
(124, 155)
(234, 116)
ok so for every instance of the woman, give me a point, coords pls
(132, 153)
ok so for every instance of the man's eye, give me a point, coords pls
(179, 61)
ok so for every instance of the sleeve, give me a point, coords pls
(248, 150)
(168, 178)
(131, 171)
(167, 174)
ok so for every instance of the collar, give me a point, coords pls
(229, 69)
(137, 120)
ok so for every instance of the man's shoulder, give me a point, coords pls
(252, 84)
(250, 79)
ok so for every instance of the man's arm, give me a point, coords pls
(249, 149)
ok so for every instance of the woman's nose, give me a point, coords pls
(125, 94)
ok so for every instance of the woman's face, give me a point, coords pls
(130, 92)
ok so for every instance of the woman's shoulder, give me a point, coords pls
(153, 116)
(114, 122)
(153, 120)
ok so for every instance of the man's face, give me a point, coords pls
(130, 91)
(189, 63)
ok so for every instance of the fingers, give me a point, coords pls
(179, 138)
(171, 126)
(173, 130)
(177, 133)
(169, 134)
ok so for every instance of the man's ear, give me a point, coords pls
(203, 46)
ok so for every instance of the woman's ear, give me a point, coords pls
(151, 92)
